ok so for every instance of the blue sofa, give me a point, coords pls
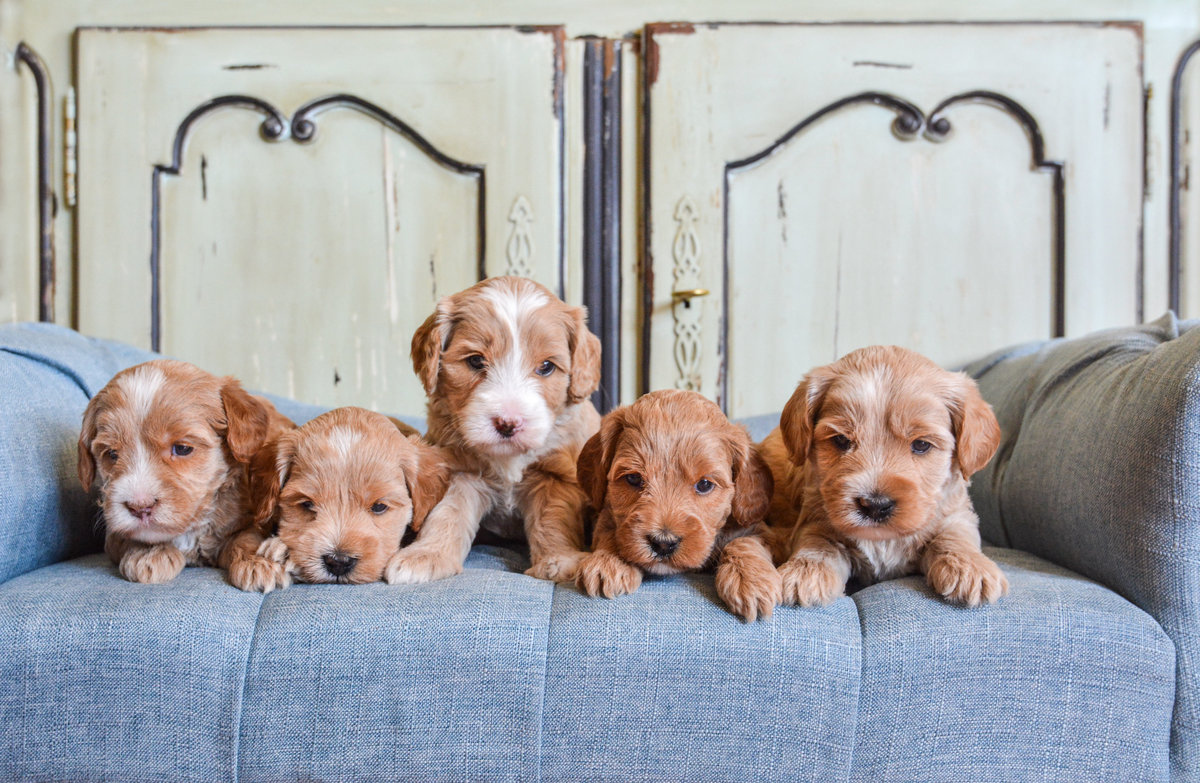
(1083, 672)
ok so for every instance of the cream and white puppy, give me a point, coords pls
(170, 445)
(508, 368)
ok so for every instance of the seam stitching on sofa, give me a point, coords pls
(541, 745)
(862, 647)
(241, 702)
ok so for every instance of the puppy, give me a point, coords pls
(508, 368)
(332, 501)
(171, 445)
(678, 488)
(871, 461)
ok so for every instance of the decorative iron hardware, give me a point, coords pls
(302, 128)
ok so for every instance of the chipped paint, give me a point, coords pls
(652, 53)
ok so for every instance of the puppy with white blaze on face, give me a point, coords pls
(171, 445)
(871, 459)
(508, 368)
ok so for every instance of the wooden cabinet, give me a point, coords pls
(938, 186)
(283, 190)
(289, 205)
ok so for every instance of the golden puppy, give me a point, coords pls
(874, 452)
(678, 488)
(508, 368)
(171, 446)
(333, 500)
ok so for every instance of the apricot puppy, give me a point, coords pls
(170, 444)
(508, 368)
(332, 501)
(678, 488)
(871, 461)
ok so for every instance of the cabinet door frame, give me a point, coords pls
(910, 120)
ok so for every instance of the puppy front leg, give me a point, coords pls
(255, 562)
(957, 569)
(816, 573)
(747, 579)
(554, 527)
(603, 572)
(145, 563)
(445, 537)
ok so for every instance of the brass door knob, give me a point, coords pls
(687, 296)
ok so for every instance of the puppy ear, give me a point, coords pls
(428, 342)
(269, 468)
(753, 483)
(428, 481)
(799, 416)
(585, 358)
(591, 467)
(87, 463)
(247, 420)
(976, 431)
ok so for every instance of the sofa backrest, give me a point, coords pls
(47, 375)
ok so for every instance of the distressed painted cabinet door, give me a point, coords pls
(287, 205)
(951, 188)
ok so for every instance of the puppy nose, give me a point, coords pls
(142, 508)
(875, 507)
(663, 544)
(339, 563)
(507, 427)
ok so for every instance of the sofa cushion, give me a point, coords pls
(111, 680)
(441, 681)
(198, 681)
(1061, 680)
(1099, 471)
(666, 684)
(494, 675)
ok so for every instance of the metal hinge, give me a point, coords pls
(70, 158)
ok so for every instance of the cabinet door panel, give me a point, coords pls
(299, 249)
(935, 186)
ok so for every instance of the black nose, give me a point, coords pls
(506, 427)
(875, 507)
(339, 564)
(663, 544)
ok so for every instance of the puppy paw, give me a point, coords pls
(273, 549)
(968, 578)
(603, 573)
(750, 586)
(152, 564)
(260, 574)
(413, 566)
(557, 568)
(810, 582)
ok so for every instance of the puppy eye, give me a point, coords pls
(921, 446)
(841, 442)
(545, 368)
(379, 508)
(635, 480)
(476, 362)
(181, 450)
(111, 455)
(704, 486)
(308, 505)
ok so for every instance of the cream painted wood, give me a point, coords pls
(847, 235)
(1189, 260)
(19, 271)
(305, 268)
